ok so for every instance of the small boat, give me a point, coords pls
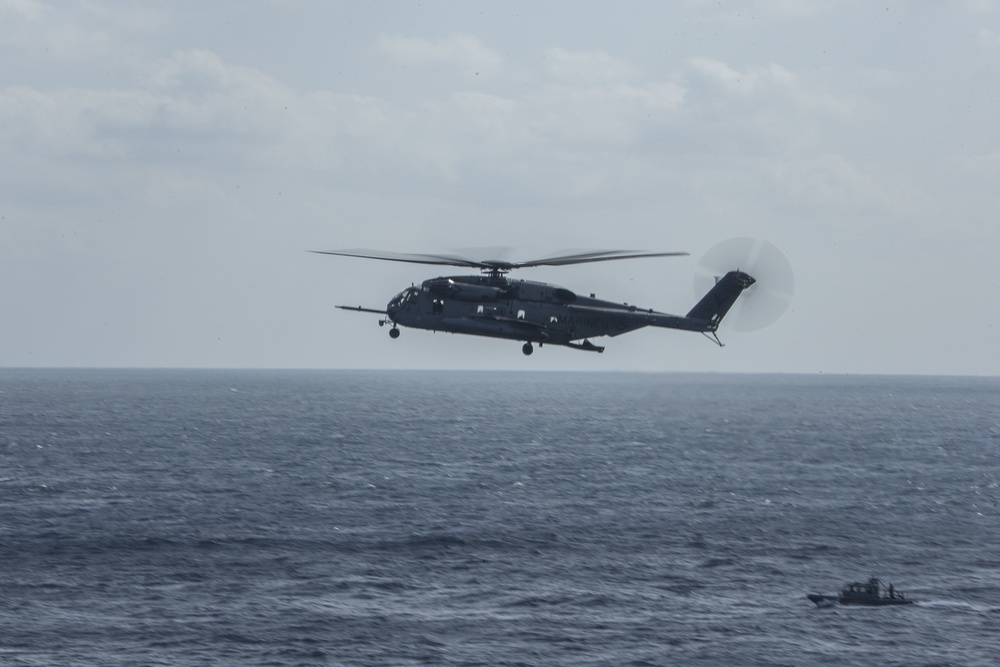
(872, 593)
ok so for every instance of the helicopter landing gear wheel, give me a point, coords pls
(527, 349)
(394, 333)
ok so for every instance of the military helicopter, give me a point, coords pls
(495, 305)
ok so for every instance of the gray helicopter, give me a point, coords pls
(495, 305)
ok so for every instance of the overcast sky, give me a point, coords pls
(166, 166)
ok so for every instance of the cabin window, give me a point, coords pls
(438, 306)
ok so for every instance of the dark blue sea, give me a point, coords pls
(163, 517)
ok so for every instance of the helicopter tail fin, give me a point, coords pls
(717, 302)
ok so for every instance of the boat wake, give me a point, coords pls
(956, 605)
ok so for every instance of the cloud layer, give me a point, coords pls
(165, 168)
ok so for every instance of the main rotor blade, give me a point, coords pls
(594, 256)
(495, 264)
(410, 258)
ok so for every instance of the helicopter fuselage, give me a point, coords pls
(534, 312)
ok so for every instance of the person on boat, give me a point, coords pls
(892, 592)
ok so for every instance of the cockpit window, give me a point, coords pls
(406, 295)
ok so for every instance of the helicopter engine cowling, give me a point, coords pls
(448, 288)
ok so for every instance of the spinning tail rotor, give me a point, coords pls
(768, 298)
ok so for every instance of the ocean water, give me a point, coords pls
(412, 518)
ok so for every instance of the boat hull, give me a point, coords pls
(829, 600)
